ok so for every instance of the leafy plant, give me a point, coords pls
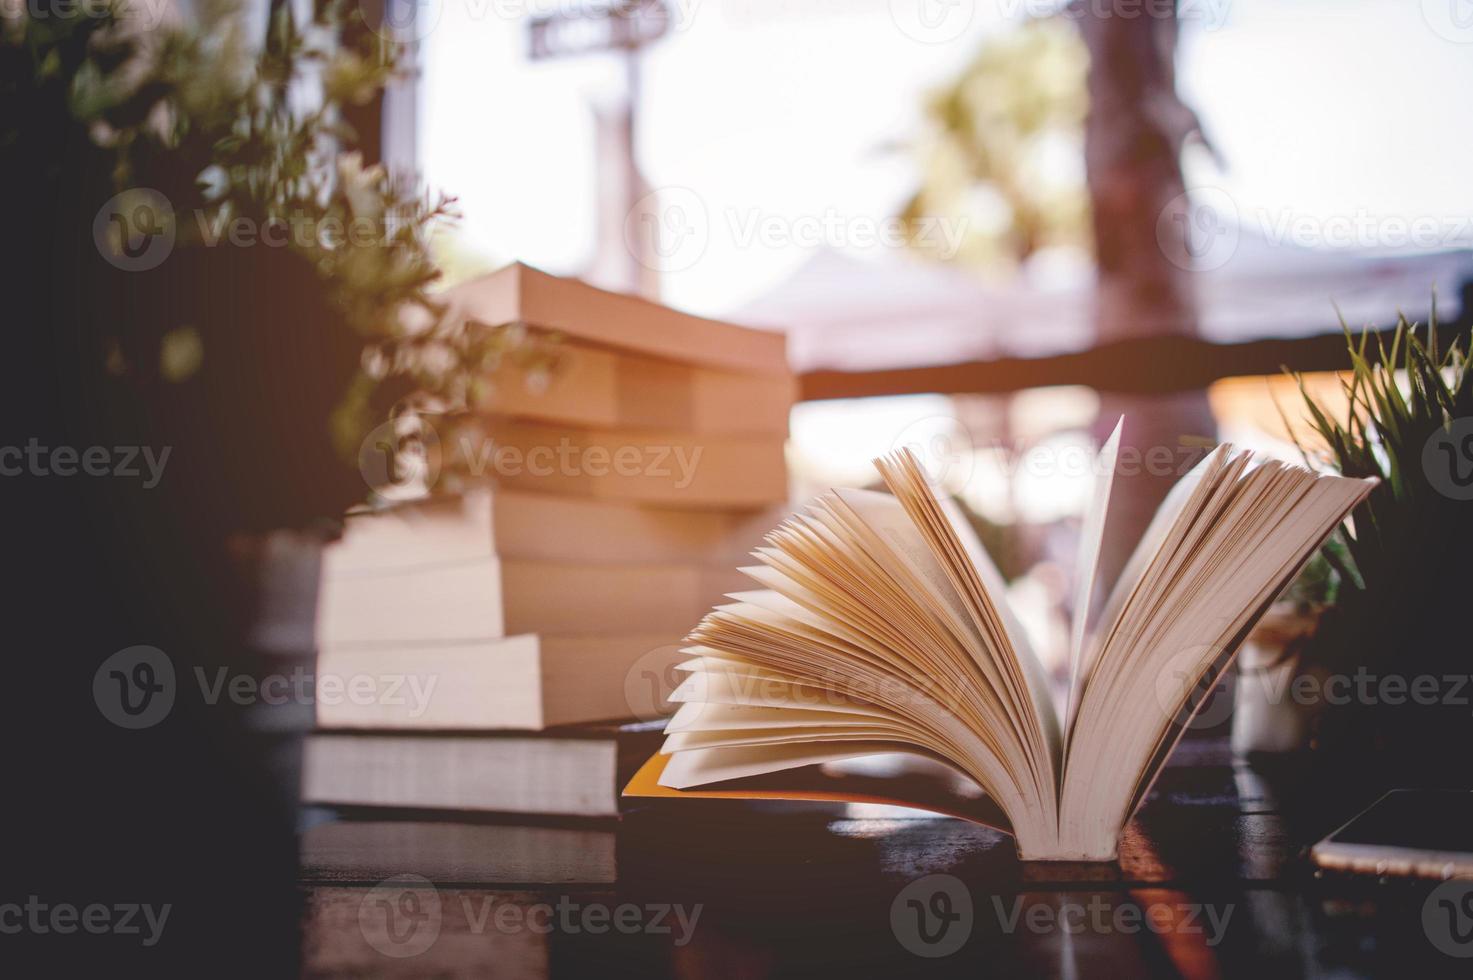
(234, 133)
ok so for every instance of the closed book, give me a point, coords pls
(455, 851)
(665, 467)
(486, 598)
(520, 682)
(600, 388)
(570, 772)
(542, 527)
(521, 294)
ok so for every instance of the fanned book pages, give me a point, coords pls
(881, 629)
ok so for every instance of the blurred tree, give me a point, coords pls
(1005, 150)
(1068, 132)
(1134, 133)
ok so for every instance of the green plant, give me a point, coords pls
(228, 131)
(1397, 402)
(1400, 575)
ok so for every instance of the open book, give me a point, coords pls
(881, 627)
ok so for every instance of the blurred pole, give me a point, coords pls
(1133, 137)
(626, 256)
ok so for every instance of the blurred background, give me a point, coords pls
(982, 229)
(929, 198)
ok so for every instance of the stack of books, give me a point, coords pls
(483, 652)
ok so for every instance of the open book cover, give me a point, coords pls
(879, 661)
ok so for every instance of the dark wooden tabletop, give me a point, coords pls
(1213, 881)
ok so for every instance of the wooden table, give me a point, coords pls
(1213, 880)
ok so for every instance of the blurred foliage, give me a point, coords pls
(1004, 150)
(459, 261)
(237, 133)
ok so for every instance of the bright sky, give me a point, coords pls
(784, 108)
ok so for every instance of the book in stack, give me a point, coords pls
(528, 620)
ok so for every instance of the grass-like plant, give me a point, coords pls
(1398, 402)
(1401, 573)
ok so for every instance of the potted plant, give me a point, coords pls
(207, 270)
(1382, 662)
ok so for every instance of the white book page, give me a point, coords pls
(1091, 540)
(996, 588)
